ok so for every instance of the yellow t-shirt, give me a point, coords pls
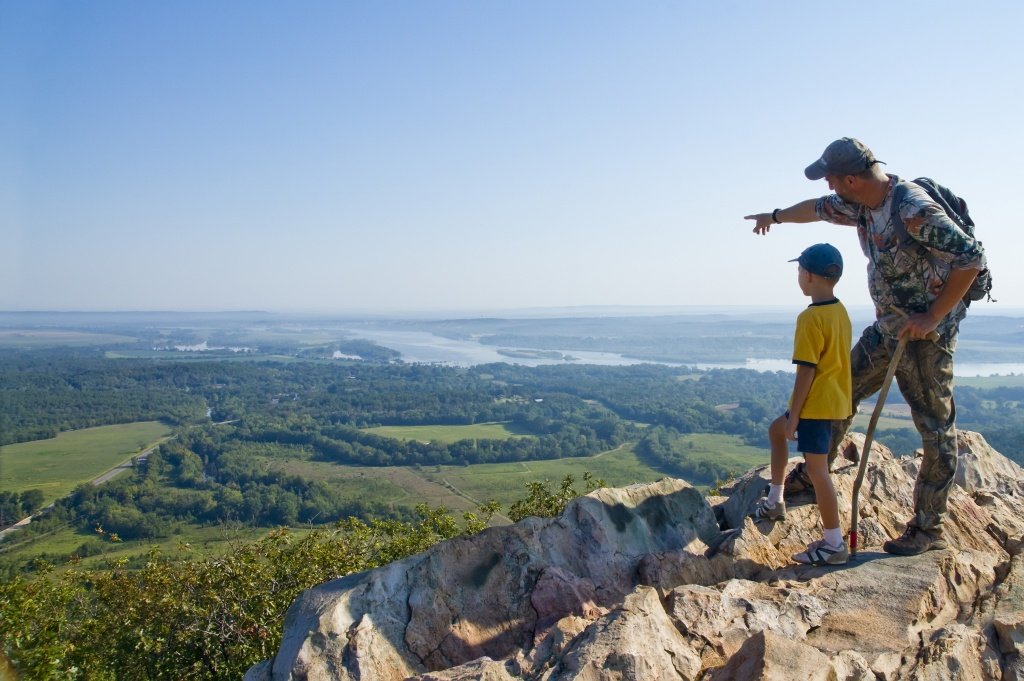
(822, 340)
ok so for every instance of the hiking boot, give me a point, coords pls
(764, 511)
(797, 481)
(822, 553)
(914, 541)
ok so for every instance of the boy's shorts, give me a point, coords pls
(813, 436)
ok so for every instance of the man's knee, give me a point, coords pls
(940, 454)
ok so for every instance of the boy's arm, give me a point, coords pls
(801, 387)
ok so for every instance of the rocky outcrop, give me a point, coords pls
(658, 582)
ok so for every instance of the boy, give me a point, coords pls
(822, 393)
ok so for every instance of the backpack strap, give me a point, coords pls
(906, 241)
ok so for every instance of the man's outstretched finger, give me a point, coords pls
(761, 225)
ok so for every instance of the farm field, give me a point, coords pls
(727, 450)
(195, 542)
(449, 434)
(885, 422)
(989, 382)
(58, 465)
(507, 482)
(457, 488)
(35, 338)
(393, 485)
(462, 488)
(218, 355)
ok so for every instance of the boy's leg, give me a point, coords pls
(779, 449)
(773, 507)
(824, 491)
(812, 439)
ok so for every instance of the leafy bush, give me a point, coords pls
(200, 619)
(162, 617)
(542, 502)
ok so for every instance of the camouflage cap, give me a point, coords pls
(846, 156)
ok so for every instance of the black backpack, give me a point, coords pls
(956, 209)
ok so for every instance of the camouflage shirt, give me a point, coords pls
(899, 278)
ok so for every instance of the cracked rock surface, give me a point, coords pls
(656, 581)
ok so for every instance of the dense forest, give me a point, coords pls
(572, 410)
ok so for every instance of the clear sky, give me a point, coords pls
(444, 155)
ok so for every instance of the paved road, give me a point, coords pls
(127, 465)
(16, 526)
(109, 475)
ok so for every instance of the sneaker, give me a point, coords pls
(822, 553)
(797, 481)
(914, 541)
(763, 511)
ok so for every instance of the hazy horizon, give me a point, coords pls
(420, 158)
(857, 311)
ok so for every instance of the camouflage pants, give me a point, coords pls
(925, 377)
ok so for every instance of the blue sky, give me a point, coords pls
(416, 156)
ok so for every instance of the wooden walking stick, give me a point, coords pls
(866, 452)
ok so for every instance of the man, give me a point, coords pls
(916, 291)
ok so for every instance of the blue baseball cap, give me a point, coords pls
(845, 156)
(825, 260)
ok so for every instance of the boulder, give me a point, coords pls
(767, 656)
(657, 582)
(635, 641)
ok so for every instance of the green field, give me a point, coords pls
(506, 482)
(989, 382)
(356, 483)
(58, 465)
(725, 450)
(458, 488)
(449, 434)
(193, 541)
(34, 338)
(860, 422)
(461, 488)
(217, 355)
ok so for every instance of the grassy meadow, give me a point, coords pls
(989, 382)
(726, 450)
(458, 488)
(196, 542)
(507, 482)
(885, 422)
(462, 488)
(449, 434)
(36, 338)
(58, 465)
